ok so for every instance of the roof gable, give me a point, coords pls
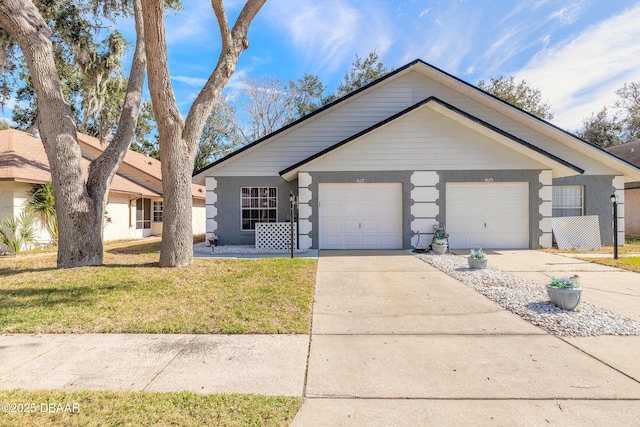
(469, 121)
(541, 136)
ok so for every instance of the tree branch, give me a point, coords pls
(103, 169)
(164, 102)
(233, 44)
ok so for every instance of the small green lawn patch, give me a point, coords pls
(628, 263)
(131, 294)
(631, 246)
(106, 408)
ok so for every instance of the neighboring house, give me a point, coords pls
(631, 153)
(416, 148)
(134, 208)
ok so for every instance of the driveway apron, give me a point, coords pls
(397, 342)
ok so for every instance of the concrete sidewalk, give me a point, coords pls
(262, 364)
(396, 342)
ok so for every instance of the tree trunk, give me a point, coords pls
(179, 140)
(79, 208)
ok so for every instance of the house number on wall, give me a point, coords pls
(360, 180)
(488, 180)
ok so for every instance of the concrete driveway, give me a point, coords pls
(396, 342)
(611, 288)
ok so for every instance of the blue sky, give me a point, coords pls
(578, 52)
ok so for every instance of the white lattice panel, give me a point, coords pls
(577, 232)
(275, 235)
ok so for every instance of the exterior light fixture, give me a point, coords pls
(292, 202)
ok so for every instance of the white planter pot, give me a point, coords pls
(477, 262)
(439, 249)
(566, 299)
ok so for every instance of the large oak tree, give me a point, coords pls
(79, 204)
(179, 138)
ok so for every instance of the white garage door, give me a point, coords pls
(488, 215)
(360, 216)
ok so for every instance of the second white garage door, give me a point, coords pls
(488, 215)
(360, 216)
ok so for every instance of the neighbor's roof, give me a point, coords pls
(152, 168)
(23, 159)
(629, 152)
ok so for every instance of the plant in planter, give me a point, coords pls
(213, 241)
(439, 246)
(477, 259)
(565, 292)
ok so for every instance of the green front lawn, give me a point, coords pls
(631, 246)
(106, 408)
(130, 293)
(628, 262)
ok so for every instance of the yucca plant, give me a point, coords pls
(42, 205)
(18, 233)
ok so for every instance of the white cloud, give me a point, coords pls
(568, 14)
(331, 32)
(191, 81)
(196, 22)
(579, 76)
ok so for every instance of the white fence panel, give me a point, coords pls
(577, 232)
(275, 235)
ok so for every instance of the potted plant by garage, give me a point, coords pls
(477, 259)
(439, 246)
(213, 241)
(565, 292)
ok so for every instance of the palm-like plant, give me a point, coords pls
(42, 205)
(18, 233)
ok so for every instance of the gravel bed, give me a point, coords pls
(530, 301)
(202, 248)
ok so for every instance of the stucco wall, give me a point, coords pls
(228, 199)
(597, 192)
(6, 203)
(13, 199)
(199, 217)
(6, 198)
(117, 210)
(227, 204)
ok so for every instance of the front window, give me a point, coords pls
(259, 204)
(157, 211)
(568, 200)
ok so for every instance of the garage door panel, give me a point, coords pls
(386, 227)
(475, 222)
(457, 192)
(365, 208)
(348, 210)
(368, 225)
(388, 241)
(488, 215)
(333, 225)
(360, 216)
(457, 205)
